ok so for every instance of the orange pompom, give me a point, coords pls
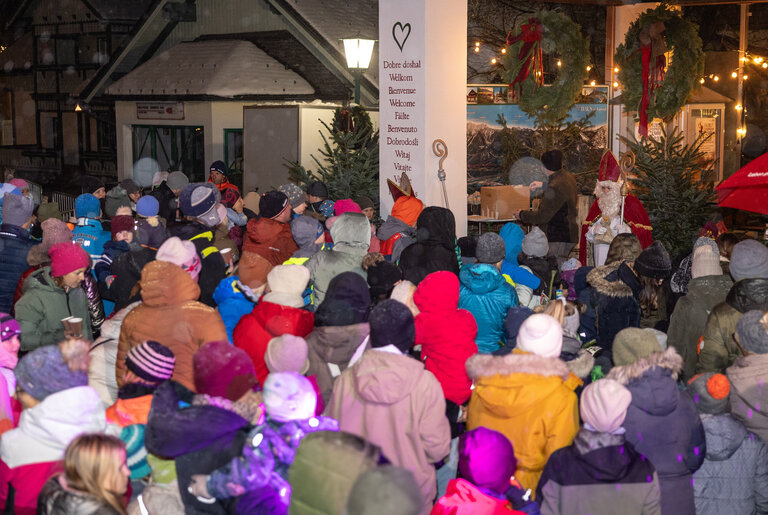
(718, 386)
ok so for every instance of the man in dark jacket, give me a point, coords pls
(167, 195)
(558, 213)
(198, 205)
(14, 244)
(435, 247)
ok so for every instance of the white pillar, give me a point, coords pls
(422, 97)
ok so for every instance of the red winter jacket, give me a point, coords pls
(446, 334)
(464, 498)
(266, 321)
(26, 482)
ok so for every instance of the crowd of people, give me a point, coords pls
(184, 348)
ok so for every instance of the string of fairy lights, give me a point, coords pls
(747, 59)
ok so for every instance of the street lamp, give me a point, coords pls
(358, 53)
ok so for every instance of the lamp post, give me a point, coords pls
(358, 53)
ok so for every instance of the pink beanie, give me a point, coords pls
(19, 183)
(540, 334)
(181, 253)
(346, 205)
(604, 405)
(287, 353)
(67, 257)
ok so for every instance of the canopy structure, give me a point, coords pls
(747, 189)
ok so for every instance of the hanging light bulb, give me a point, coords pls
(746, 77)
(592, 83)
(589, 67)
(717, 78)
(764, 65)
(477, 49)
(738, 107)
(701, 80)
(477, 43)
(759, 60)
(559, 63)
(615, 84)
(503, 50)
(493, 61)
(615, 69)
(734, 75)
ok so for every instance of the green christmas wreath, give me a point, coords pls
(679, 78)
(562, 36)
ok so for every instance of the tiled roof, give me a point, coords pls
(227, 68)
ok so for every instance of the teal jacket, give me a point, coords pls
(40, 310)
(487, 295)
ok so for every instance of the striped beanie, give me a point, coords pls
(135, 452)
(151, 361)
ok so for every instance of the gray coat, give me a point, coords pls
(686, 326)
(734, 476)
(351, 236)
(749, 393)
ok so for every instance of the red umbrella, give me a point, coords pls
(747, 189)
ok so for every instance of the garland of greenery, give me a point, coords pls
(563, 36)
(687, 65)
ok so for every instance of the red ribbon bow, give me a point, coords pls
(530, 53)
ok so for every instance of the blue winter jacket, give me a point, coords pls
(512, 235)
(91, 236)
(487, 295)
(232, 303)
(112, 249)
(14, 245)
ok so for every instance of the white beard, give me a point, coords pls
(610, 202)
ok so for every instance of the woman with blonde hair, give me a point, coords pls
(94, 481)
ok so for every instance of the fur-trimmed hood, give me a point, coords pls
(582, 364)
(513, 384)
(613, 286)
(652, 381)
(669, 360)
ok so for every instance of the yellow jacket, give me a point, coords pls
(531, 400)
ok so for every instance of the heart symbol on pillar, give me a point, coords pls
(400, 33)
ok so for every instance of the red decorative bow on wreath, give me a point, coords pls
(653, 48)
(530, 53)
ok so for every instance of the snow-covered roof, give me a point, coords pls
(343, 19)
(226, 68)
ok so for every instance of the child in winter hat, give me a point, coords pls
(181, 253)
(135, 452)
(542, 335)
(9, 358)
(66, 258)
(730, 479)
(752, 332)
(53, 368)
(535, 255)
(706, 262)
(222, 370)
(286, 285)
(17, 210)
(289, 401)
(150, 230)
(122, 229)
(487, 466)
(296, 197)
(584, 474)
(289, 353)
(749, 260)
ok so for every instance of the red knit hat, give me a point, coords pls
(222, 370)
(121, 223)
(67, 257)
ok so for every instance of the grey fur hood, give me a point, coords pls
(668, 359)
(598, 279)
(351, 233)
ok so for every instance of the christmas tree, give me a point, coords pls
(349, 162)
(675, 184)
